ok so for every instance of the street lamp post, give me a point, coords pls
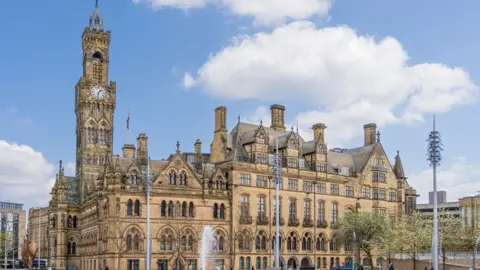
(434, 156)
(147, 177)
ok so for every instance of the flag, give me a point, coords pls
(128, 121)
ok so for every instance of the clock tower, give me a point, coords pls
(95, 99)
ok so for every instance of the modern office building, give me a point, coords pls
(12, 229)
(426, 209)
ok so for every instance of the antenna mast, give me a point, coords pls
(435, 156)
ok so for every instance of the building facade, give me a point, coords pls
(12, 230)
(37, 230)
(450, 208)
(97, 218)
(470, 211)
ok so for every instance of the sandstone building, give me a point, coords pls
(98, 217)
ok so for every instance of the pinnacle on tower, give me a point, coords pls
(96, 21)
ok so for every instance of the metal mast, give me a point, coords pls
(277, 167)
(148, 189)
(434, 156)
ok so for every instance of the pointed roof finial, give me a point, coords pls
(261, 122)
(378, 136)
(297, 126)
(96, 21)
(238, 118)
(292, 128)
(178, 147)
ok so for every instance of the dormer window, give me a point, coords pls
(261, 140)
(344, 171)
(321, 149)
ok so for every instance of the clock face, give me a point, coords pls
(98, 92)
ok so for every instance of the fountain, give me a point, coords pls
(209, 245)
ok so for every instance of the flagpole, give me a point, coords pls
(128, 128)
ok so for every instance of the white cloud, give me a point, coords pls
(460, 179)
(265, 12)
(25, 175)
(188, 80)
(348, 79)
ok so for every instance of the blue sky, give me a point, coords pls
(156, 53)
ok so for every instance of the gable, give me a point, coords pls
(372, 166)
(176, 165)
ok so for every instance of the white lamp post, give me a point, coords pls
(147, 179)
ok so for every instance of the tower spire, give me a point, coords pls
(96, 21)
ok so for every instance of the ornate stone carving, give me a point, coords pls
(118, 207)
(63, 220)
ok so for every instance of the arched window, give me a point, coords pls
(243, 241)
(333, 244)
(172, 178)
(190, 242)
(163, 209)
(274, 239)
(248, 264)
(137, 208)
(184, 209)
(133, 179)
(74, 221)
(129, 242)
(129, 207)
(170, 209)
(169, 242)
(241, 263)
(215, 210)
(320, 244)
(69, 247)
(135, 242)
(163, 242)
(265, 262)
(183, 243)
(74, 248)
(258, 263)
(222, 211)
(292, 242)
(261, 241)
(191, 210)
(307, 241)
(183, 179)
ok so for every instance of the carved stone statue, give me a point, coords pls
(63, 220)
(29, 252)
(118, 206)
(70, 222)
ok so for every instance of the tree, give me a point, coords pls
(368, 230)
(118, 239)
(450, 232)
(411, 235)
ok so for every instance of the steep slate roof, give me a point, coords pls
(355, 159)
(398, 168)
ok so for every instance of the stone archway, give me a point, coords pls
(305, 262)
(292, 263)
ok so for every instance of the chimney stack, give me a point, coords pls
(370, 131)
(142, 149)
(198, 147)
(319, 132)
(278, 117)
(128, 150)
(221, 119)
